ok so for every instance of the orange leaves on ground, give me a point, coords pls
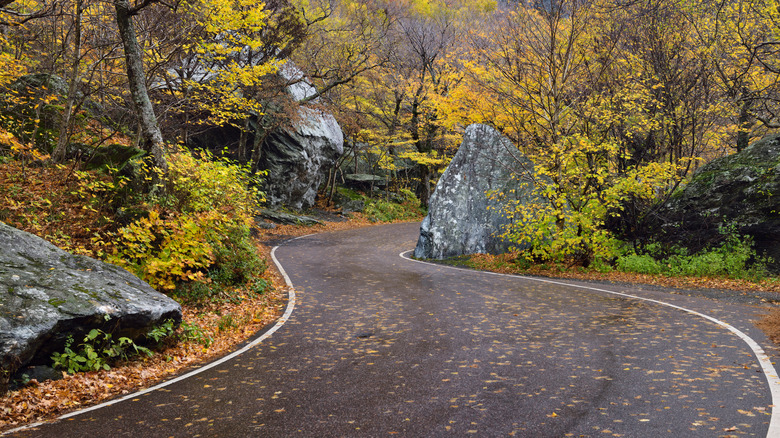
(39, 200)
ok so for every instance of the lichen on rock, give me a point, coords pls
(47, 295)
(463, 218)
(739, 192)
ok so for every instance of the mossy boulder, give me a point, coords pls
(348, 201)
(47, 295)
(283, 218)
(739, 193)
(113, 155)
(364, 181)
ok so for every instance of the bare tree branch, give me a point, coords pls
(48, 9)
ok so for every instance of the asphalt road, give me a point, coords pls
(378, 345)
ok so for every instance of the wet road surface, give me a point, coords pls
(378, 345)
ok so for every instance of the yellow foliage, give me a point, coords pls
(576, 189)
(20, 149)
(207, 184)
(232, 30)
(165, 250)
(432, 159)
(210, 199)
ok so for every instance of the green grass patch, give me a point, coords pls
(735, 259)
(405, 207)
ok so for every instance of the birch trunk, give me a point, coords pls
(151, 137)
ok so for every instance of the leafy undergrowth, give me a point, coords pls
(405, 208)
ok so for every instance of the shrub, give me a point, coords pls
(349, 193)
(236, 263)
(735, 258)
(164, 250)
(235, 259)
(210, 183)
(196, 231)
(575, 190)
(639, 263)
(226, 322)
(193, 333)
(96, 352)
(378, 210)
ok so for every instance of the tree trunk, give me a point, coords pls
(151, 137)
(330, 187)
(745, 120)
(243, 140)
(423, 191)
(257, 150)
(65, 123)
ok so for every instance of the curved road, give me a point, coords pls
(381, 346)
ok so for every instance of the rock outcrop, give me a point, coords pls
(739, 192)
(463, 218)
(297, 157)
(47, 294)
(283, 218)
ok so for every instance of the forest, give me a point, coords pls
(133, 132)
(617, 102)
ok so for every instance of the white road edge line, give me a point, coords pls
(763, 359)
(264, 336)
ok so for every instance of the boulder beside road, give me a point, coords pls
(298, 156)
(47, 295)
(738, 193)
(464, 216)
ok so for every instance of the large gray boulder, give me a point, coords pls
(47, 294)
(462, 216)
(297, 157)
(740, 192)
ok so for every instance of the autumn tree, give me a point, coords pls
(73, 80)
(429, 31)
(14, 63)
(550, 76)
(232, 47)
(738, 39)
(344, 40)
(390, 105)
(26, 103)
(686, 100)
(151, 136)
(62, 35)
(348, 43)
